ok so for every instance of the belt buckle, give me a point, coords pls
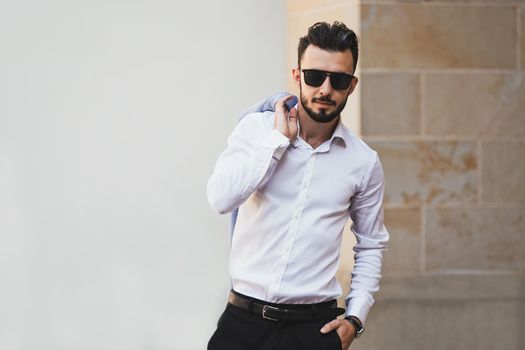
(266, 308)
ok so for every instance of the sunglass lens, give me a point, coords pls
(340, 81)
(314, 77)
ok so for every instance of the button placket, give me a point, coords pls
(294, 226)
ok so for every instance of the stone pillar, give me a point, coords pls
(442, 100)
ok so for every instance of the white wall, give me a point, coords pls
(112, 114)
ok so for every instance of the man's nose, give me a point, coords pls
(326, 88)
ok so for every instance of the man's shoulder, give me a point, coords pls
(257, 119)
(254, 126)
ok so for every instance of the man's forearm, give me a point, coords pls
(242, 170)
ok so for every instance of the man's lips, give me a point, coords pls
(324, 103)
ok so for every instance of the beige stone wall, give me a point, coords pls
(443, 102)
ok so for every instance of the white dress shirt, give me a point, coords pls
(293, 204)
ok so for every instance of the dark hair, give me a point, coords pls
(335, 37)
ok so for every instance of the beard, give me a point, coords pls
(322, 116)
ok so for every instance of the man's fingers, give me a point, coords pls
(285, 121)
(282, 101)
(286, 98)
(292, 122)
(293, 114)
(330, 326)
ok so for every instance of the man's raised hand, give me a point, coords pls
(285, 121)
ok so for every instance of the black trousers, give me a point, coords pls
(237, 329)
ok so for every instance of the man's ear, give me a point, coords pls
(353, 85)
(296, 76)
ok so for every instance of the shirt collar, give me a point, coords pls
(339, 132)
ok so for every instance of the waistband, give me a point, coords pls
(325, 304)
(285, 312)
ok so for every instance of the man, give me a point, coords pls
(296, 176)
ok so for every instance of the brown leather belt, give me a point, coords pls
(297, 312)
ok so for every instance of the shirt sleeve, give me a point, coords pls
(249, 160)
(368, 226)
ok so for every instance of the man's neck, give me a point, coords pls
(314, 133)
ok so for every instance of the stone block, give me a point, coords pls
(522, 32)
(390, 104)
(431, 172)
(475, 2)
(447, 312)
(464, 325)
(503, 171)
(295, 6)
(404, 247)
(452, 287)
(390, 1)
(438, 36)
(474, 104)
(476, 238)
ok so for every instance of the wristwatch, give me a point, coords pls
(356, 323)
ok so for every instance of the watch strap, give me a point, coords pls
(356, 323)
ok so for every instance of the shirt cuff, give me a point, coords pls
(358, 307)
(277, 142)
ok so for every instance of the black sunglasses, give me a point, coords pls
(316, 78)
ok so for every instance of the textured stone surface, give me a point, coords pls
(473, 2)
(404, 227)
(503, 171)
(458, 325)
(522, 45)
(445, 324)
(452, 287)
(447, 312)
(474, 103)
(294, 6)
(415, 35)
(429, 172)
(390, 104)
(390, 1)
(475, 238)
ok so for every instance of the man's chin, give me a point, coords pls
(323, 118)
(324, 112)
(323, 108)
(319, 112)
